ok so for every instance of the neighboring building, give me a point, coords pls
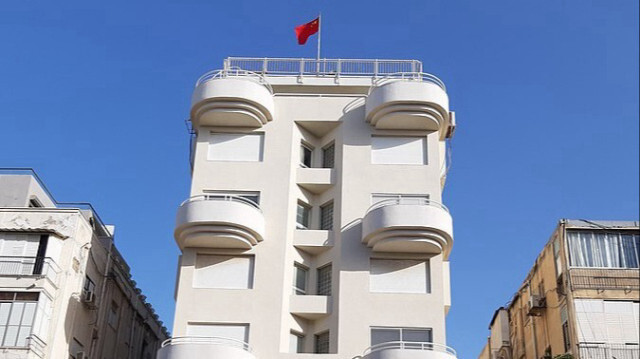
(580, 298)
(315, 222)
(65, 291)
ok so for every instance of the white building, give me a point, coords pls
(315, 223)
(65, 291)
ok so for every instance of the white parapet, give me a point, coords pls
(213, 221)
(408, 226)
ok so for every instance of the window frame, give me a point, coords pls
(324, 287)
(326, 220)
(330, 148)
(326, 337)
(304, 269)
(306, 208)
(401, 332)
(24, 299)
(306, 149)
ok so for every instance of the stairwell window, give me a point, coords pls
(324, 274)
(322, 343)
(326, 217)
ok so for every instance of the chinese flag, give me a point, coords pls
(304, 31)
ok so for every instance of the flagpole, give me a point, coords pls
(319, 41)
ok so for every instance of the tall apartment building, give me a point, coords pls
(65, 290)
(314, 227)
(580, 299)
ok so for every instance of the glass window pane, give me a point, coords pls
(305, 155)
(328, 155)
(322, 343)
(29, 312)
(416, 335)
(16, 313)
(326, 217)
(300, 280)
(23, 333)
(324, 280)
(302, 216)
(10, 336)
(5, 308)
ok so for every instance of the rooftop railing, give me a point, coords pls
(323, 67)
(187, 340)
(608, 351)
(404, 345)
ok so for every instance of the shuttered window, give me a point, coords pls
(602, 321)
(223, 272)
(399, 150)
(232, 331)
(399, 276)
(17, 315)
(235, 147)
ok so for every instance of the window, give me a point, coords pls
(306, 154)
(296, 343)
(565, 328)
(603, 249)
(89, 286)
(606, 321)
(303, 216)
(381, 335)
(235, 147)
(34, 203)
(328, 156)
(251, 196)
(17, 314)
(556, 256)
(300, 276)
(326, 217)
(114, 313)
(232, 331)
(322, 343)
(223, 272)
(20, 252)
(324, 280)
(399, 150)
(399, 276)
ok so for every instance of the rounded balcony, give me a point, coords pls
(408, 225)
(232, 98)
(204, 347)
(408, 101)
(409, 350)
(219, 221)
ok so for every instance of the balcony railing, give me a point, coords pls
(608, 351)
(234, 72)
(596, 278)
(218, 197)
(190, 340)
(29, 266)
(407, 201)
(403, 345)
(324, 67)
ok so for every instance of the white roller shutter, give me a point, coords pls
(223, 272)
(19, 244)
(235, 147)
(399, 276)
(231, 331)
(399, 150)
(590, 321)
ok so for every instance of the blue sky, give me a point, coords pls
(93, 95)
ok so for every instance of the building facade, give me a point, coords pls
(580, 299)
(65, 290)
(315, 224)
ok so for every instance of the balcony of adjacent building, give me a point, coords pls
(232, 97)
(408, 225)
(204, 347)
(409, 350)
(219, 221)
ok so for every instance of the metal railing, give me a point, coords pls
(221, 197)
(404, 345)
(595, 278)
(608, 351)
(234, 72)
(323, 67)
(407, 201)
(29, 266)
(185, 340)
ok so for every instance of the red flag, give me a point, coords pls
(304, 31)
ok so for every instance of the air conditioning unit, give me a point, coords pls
(81, 355)
(88, 297)
(536, 304)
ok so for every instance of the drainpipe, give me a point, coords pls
(533, 328)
